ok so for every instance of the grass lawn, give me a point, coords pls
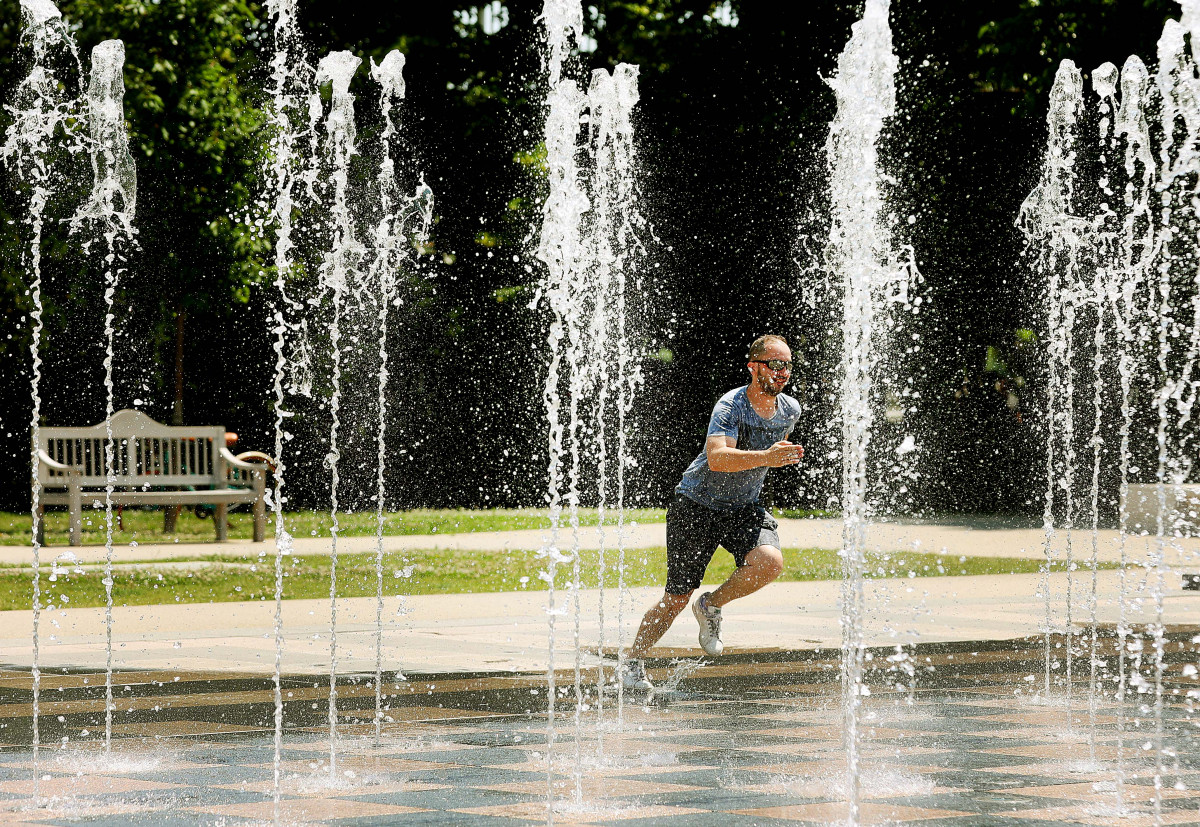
(431, 572)
(145, 525)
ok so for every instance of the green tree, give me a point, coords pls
(1020, 48)
(195, 132)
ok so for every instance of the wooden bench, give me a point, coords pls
(1182, 512)
(153, 464)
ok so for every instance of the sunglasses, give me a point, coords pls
(774, 364)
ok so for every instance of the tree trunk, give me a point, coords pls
(171, 513)
(177, 406)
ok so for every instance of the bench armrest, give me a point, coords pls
(57, 468)
(249, 474)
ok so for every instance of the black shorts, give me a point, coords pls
(694, 531)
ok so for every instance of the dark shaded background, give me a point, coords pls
(732, 122)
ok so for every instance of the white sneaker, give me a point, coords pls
(634, 676)
(709, 618)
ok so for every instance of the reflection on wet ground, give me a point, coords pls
(752, 738)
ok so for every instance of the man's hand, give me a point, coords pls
(725, 456)
(783, 453)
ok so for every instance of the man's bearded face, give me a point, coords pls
(772, 382)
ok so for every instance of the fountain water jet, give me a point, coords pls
(389, 75)
(859, 252)
(589, 244)
(111, 205)
(311, 153)
(40, 110)
(338, 266)
(563, 210)
(1129, 258)
(615, 240)
(389, 239)
(290, 77)
(1048, 214)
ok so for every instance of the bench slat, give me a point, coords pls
(226, 495)
(155, 481)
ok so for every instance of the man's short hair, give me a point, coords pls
(759, 346)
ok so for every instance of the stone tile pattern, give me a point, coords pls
(750, 738)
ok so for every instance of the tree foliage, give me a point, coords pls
(732, 123)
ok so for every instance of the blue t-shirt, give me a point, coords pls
(734, 416)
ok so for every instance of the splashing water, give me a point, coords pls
(290, 75)
(859, 252)
(113, 197)
(110, 205)
(39, 110)
(1128, 267)
(589, 244)
(389, 75)
(563, 21)
(681, 670)
(883, 783)
(38, 13)
(339, 264)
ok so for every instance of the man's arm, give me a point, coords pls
(724, 455)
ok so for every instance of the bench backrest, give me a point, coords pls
(144, 452)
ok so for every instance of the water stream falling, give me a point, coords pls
(340, 264)
(1104, 82)
(403, 227)
(1117, 251)
(859, 253)
(389, 74)
(313, 189)
(1134, 254)
(614, 240)
(41, 109)
(558, 248)
(291, 76)
(1048, 214)
(110, 207)
(589, 244)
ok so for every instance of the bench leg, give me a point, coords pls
(76, 516)
(260, 520)
(170, 518)
(41, 526)
(221, 518)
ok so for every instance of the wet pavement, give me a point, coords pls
(753, 737)
(749, 738)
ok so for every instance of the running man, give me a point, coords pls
(716, 504)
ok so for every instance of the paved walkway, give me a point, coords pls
(510, 631)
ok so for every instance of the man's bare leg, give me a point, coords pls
(763, 564)
(656, 622)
